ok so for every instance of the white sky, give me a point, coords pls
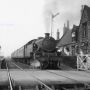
(20, 21)
(23, 20)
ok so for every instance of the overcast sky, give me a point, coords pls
(23, 20)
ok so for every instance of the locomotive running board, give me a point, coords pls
(37, 77)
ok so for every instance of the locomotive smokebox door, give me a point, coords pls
(48, 43)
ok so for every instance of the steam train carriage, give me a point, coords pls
(39, 53)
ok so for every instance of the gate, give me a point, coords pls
(83, 62)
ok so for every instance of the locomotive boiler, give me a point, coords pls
(39, 53)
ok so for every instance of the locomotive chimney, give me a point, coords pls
(47, 35)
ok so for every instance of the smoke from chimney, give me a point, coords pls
(68, 24)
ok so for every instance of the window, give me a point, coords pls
(73, 34)
(84, 28)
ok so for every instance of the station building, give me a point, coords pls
(78, 39)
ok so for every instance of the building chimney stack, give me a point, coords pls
(67, 24)
(82, 7)
(58, 33)
(64, 28)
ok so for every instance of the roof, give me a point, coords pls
(66, 39)
(87, 10)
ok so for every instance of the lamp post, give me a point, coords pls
(52, 17)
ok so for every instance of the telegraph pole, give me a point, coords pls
(52, 17)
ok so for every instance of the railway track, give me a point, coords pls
(39, 76)
(10, 66)
(9, 77)
(48, 71)
(41, 82)
(18, 67)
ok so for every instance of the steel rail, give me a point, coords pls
(35, 78)
(62, 76)
(9, 77)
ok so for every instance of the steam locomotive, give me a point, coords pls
(39, 53)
